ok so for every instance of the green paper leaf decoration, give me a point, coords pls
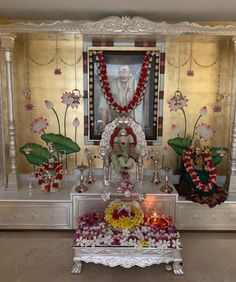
(179, 144)
(35, 154)
(215, 153)
(62, 144)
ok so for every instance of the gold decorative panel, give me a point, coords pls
(209, 58)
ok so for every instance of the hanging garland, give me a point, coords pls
(141, 87)
(210, 167)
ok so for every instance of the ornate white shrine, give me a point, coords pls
(24, 208)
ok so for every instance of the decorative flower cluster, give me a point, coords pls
(141, 87)
(49, 176)
(124, 215)
(94, 231)
(193, 174)
(178, 101)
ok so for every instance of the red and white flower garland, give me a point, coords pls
(193, 174)
(49, 177)
(141, 87)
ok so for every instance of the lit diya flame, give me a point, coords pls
(157, 221)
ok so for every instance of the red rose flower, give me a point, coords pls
(47, 188)
(41, 181)
(55, 185)
(59, 176)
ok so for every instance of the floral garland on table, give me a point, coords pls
(210, 167)
(141, 87)
(124, 215)
(49, 176)
(94, 231)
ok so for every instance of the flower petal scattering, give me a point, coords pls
(177, 102)
(205, 131)
(39, 124)
(94, 231)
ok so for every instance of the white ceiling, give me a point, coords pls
(157, 10)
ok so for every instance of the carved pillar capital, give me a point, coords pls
(7, 44)
(7, 40)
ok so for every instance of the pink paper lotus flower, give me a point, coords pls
(205, 131)
(57, 71)
(39, 124)
(29, 106)
(177, 102)
(71, 99)
(76, 122)
(203, 111)
(48, 104)
(175, 129)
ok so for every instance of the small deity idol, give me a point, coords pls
(198, 179)
(123, 154)
(197, 157)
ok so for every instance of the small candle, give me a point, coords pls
(157, 221)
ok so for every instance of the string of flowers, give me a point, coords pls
(49, 182)
(193, 174)
(141, 87)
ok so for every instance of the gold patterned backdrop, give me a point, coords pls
(198, 66)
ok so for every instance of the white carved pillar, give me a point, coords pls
(7, 43)
(232, 164)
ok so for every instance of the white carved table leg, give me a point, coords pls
(77, 266)
(177, 268)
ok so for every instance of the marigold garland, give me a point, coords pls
(210, 167)
(124, 215)
(141, 87)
